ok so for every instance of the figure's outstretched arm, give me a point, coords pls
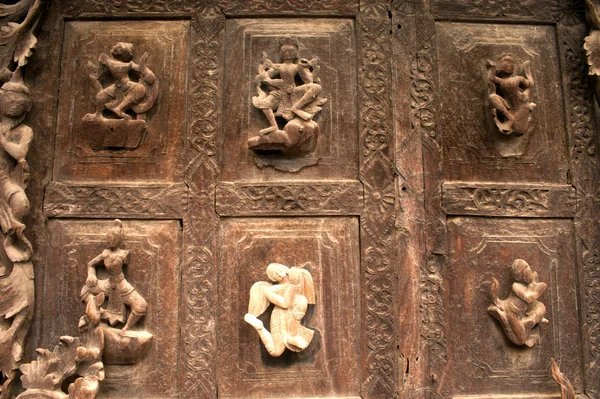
(18, 149)
(275, 298)
(92, 280)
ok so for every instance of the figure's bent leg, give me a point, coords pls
(265, 336)
(312, 91)
(501, 107)
(138, 307)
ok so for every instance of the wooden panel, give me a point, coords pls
(63, 200)
(332, 41)
(474, 149)
(154, 272)
(302, 198)
(490, 199)
(481, 359)
(158, 158)
(329, 366)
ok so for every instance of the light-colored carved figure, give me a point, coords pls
(510, 96)
(133, 92)
(591, 44)
(521, 312)
(290, 90)
(291, 294)
(116, 288)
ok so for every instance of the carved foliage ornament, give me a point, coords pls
(289, 95)
(132, 91)
(509, 95)
(18, 19)
(291, 294)
(521, 311)
(98, 343)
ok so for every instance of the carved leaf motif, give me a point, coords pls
(24, 48)
(51, 368)
(592, 50)
(566, 389)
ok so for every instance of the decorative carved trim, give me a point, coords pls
(63, 200)
(509, 200)
(199, 272)
(380, 365)
(301, 198)
(422, 94)
(76, 8)
(585, 175)
(512, 10)
(236, 8)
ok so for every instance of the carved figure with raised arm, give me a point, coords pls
(510, 95)
(521, 311)
(291, 292)
(290, 90)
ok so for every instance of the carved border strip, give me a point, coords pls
(509, 200)
(78, 8)
(498, 11)
(431, 274)
(585, 168)
(285, 198)
(165, 201)
(313, 8)
(200, 226)
(380, 324)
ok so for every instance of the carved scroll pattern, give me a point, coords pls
(255, 199)
(73, 8)
(431, 288)
(333, 7)
(65, 200)
(200, 226)
(376, 173)
(584, 163)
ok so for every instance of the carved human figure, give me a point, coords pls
(291, 294)
(117, 289)
(290, 90)
(133, 92)
(510, 96)
(521, 311)
(592, 45)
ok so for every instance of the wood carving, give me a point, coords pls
(566, 389)
(288, 93)
(592, 45)
(510, 96)
(17, 20)
(74, 357)
(293, 292)
(521, 312)
(131, 94)
(125, 305)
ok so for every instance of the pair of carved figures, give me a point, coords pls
(83, 357)
(121, 107)
(293, 290)
(521, 311)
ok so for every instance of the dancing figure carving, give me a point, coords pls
(509, 94)
(521, 312)
(131, 94)
(291, 294)
(289, 90)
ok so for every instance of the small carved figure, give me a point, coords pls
(132, 93)
(291, 294)
(521, 311)
(125, 305)
(116, 288)
(290, 90)
(591, 44)
(510, 96)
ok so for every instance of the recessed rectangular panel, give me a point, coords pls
(122, 150)
(482, 358)
(328, 367)
(153, 271)
(474, 147)
(332, 42)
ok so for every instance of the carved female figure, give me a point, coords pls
(291, 295)
(510, 96)
(521, 311)
(116, 287)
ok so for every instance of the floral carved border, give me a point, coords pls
(76, 8)
(200, 225)
(380, 325)
(292, 7)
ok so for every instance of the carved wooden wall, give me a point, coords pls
(411, 202)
